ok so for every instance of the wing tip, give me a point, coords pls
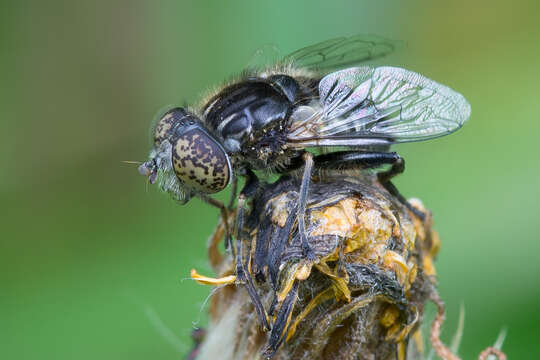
(463, 108)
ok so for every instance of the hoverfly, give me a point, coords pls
(276, 118)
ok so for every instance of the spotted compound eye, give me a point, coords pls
(200, 161)
(165, 127)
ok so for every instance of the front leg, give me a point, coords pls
(304, 187)
(249, 189)
(243, 277)
(234, 193)
(225, 210)
(230, 205)
(224, 214)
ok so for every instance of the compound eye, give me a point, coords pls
(200, 161)
(167, 122)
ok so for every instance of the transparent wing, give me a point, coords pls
(370, 106)
(342, 51)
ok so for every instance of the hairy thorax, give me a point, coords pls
(266, 149)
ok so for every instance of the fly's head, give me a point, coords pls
(186, 159)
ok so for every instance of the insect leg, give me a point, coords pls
(306, 178)
(224, 214)
(250, 187)
(358, 160)
(369, 160)
(384, 178)
(394, 191)
(234, 193)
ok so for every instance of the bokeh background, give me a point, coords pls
(94, 266)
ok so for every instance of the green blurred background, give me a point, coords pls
(90, 259)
